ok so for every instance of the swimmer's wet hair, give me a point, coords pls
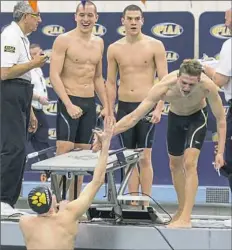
(191, 67)
(132, 7)
(87, 3)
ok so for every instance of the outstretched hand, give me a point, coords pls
(102, 137)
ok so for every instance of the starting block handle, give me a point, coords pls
(117, 151)
(36, 154)
(138, 150)
(120, 156)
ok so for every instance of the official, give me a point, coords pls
(16, 95)
(222, 76)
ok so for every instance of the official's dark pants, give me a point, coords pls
(227, 169)
(39, 140)
(16, 96)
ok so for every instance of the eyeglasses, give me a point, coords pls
(34, 14)
(37, 15)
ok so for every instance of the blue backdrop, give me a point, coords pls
(176, 30)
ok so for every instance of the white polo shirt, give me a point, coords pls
(225, 67)
(15, 48)
(40, 87)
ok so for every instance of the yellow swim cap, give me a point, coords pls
(40, 199)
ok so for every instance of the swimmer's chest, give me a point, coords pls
(134, 55)
(174, 97)
(84, 53)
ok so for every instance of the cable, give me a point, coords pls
(166, 240)
(119, 218)
(162, 235)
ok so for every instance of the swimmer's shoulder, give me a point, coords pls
(97, 39)
(169, 80)
(67, 35)
(64, 39)
(153, 41)
(116, 45)
(26, 220)
(207, 84)
(119, 42)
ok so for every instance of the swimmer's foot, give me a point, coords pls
(180, 224)
(176, 216)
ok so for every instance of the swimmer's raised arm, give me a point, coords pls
(56, 66)
(157, 93)
(79, 206)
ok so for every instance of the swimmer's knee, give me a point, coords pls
(145, 160)
(63, 147)
(191, 159)
(175, 162)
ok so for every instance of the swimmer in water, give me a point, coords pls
(57, 229)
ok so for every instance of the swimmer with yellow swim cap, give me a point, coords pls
(56, 229)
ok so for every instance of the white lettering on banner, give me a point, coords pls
(220, 31)
(53, 30)
(172, 56)
(99, 30)
(167, 30)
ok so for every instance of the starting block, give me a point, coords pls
(83, 162)
(132, 198)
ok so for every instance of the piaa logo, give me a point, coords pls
(121, 31)
(51, 108)
(48, 83)
(167, 30)
(99, 30)
(52, 133)
(53, 30)
(220, 31)
(172, 56)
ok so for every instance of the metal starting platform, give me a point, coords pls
(83, 162)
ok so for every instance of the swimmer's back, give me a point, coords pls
(53, 232)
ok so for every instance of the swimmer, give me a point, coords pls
(137, 58)
(56, 229)
(186, 91)
(76, 74)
